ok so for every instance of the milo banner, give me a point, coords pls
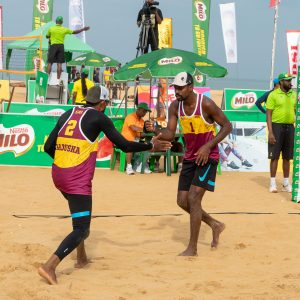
(22, 139)
(200, 21)
(165, 33)
(242, 100)
(245, 149)
(296, 167)
(42, 13)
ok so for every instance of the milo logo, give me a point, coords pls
(18, 139)
(43, 6)
(200, 11)
(106, 59)
(173, 60)
(239, 100)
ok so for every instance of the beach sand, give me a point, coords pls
(135, 257)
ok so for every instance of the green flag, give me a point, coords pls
(42, 13)
(201, 16)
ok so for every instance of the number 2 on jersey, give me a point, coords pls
(70, 128)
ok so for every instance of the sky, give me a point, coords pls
(114, 32)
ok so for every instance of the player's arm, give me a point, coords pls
(270, 107)
(114, 136)
(215, 114)
(261, 100)
(168, 133)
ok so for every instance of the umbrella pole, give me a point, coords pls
(126, 99)
(150, 103)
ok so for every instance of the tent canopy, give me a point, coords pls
(72, 43)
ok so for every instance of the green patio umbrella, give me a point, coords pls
(167, 63)
(95, 60)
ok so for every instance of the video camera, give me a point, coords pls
(148, 6)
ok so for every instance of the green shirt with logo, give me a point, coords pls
(283, 106)
(57, 34)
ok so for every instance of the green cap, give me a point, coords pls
(144, 106)
(59, 19)
(285, 76)
(85, 71)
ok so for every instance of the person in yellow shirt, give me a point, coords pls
(132, 129)
(56, 35)
(81, 87)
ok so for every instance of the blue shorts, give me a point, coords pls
(201, 176)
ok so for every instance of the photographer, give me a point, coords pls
(150, 16)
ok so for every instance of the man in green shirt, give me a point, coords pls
(56, 35)
(281, 107)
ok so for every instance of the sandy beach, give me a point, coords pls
(134, 256)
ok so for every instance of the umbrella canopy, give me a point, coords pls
(168, 62)
(94, 60)
(72, 43)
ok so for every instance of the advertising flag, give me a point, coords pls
(165, 33)
(292, 37)
(76, 17)
(229, 31)
(42, 13)
(273, 3)
(201, 16)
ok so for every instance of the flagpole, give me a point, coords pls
(274, 45)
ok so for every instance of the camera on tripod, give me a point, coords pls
(148, 6)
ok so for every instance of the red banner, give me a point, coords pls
(273, 3)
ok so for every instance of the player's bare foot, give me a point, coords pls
(189, 252)
(216, 229)
(48, 275)
(82, 263)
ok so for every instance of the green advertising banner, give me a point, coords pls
(200, 21)
(42, 13)
(41, 86)
(22, 139)
(296, 167)
(57, 109)
(241, 100)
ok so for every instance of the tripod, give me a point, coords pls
(144, 35)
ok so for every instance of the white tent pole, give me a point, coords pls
(274, 44)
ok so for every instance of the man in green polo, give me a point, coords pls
(56, 35)
(281, 107)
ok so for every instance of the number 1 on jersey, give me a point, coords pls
(192, 128)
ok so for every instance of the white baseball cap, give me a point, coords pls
(97, 93)
(182, 79)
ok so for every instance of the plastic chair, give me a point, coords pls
(122, 166)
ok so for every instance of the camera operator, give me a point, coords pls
(152, 14)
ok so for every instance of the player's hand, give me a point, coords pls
(149, 125)
(86, 28)
(202, 155)
(271, 139)
(159, 145)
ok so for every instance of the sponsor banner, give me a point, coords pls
(200, 19)
(273, 3)
(41, 86)
(229, 31)
(245, 149)
(76, 17)
(293, 37)
(165, 33)
(22, 139)
(42, 13)
(56, 109)
(296, 167)
(1, 35)
(241, 100)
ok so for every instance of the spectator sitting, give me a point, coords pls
(132, 129)
(81, 87)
